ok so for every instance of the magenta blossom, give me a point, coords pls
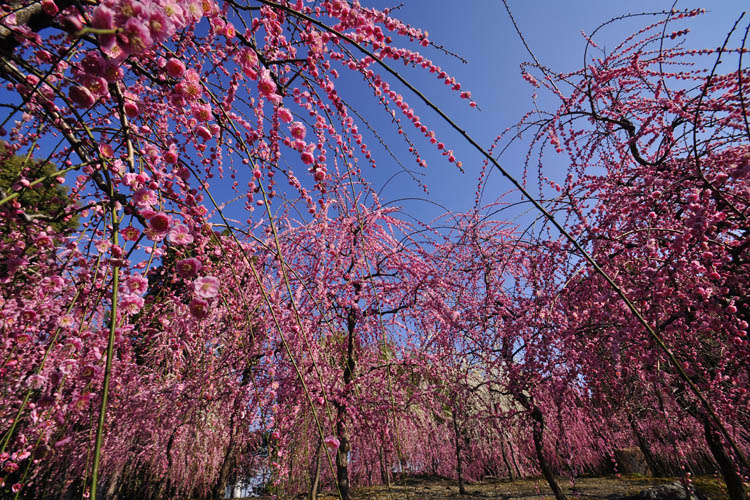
(50, 8)
(175, 68)
(66, 321)
(160, 26)
(203, 132)
(160, 223)
(307, 157)
(135, 36)
(202, 112)
(62, 442)
(130, 233)
(198, 308)
(93, 63)
(267, 87)
(104, 19)
(285, 115)
(187, 268)
(145, 198)
(332, 442)
(81, 96)
(298, 130)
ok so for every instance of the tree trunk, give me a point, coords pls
(112, 483)
(726, 465)
(368, 468)
(342, 461)
(220, 486)
(538, 417)
(384, 468)
(461, 486)
(226, 466)
(316, 473)
(645, 448)
(342, 454)
(513, 459)
(505, 459)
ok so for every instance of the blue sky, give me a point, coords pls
(480, 31)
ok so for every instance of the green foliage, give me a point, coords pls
(46, 201)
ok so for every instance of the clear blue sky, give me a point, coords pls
(481, 32)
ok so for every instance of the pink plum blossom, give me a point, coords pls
(66, 321)
(160, 223)
(285, 115)
(145, 198)
(332, 442)
(130, 233)
(206, 287)
(81, 96)
(175, 67)
(297, 130)
(131, 303)
(267, 87)
(180, 235)
(137, 284)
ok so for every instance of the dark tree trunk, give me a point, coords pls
(726, 465)
(342, 454)
(513, 459)
(538, 417)
(342, 461)
(220, 486)
(368, 467)
(435, 465)
(645, 448)
(538, 434)
(112, 484)
(459, 465)
(160, 487)
(226, 465)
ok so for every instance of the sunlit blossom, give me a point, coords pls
(180, 235)
(137, 284)
(131, 303)
(206, 287)
(332, 442)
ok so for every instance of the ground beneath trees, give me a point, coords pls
(589, 488)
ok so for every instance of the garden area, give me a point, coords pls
(349, 249)
(594, 487)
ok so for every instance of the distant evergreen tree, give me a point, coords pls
(46, 201)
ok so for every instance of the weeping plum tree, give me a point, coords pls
(502, 293)
(355, 276)
(206, 322)
(159, 309)
(657, 140)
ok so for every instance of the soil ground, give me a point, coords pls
(588, 488)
